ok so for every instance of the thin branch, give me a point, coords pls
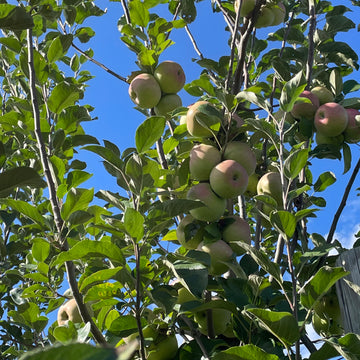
(310, 59)
(126, 11)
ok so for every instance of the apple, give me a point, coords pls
(203, 119)
(170, 76)
(279, 12)
(219, 252)
(266, 18)
(235, 230)
(352, 131)
(68, 312)
(328, 305)
(221, 319)
(214, 206)
(190, 232)
(270, 184)
(241, 152)
(145, 91)
(203, 158)
(251, 189)
(228, 179)
(324, 95)
(304, 109)
(329, 140)
(167, 104)
(247, 6)
(331, 119)
(164, 347)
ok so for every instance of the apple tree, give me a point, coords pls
(205, 249)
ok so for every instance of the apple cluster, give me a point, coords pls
(271, 14)
(218, 175)
(332, 122)
(159, 90)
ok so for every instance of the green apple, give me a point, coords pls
(328, 305)
(352, 131)
(219, 252)
(266, 18)
(145, 91)
(203, 119)
(279, 12)
(190, 232)
(228, 179)
(331, 119)
(235, 229)
(304, 109)
(251, 189)
(270, 184)
(324, 94)
(203, 158)
(170, 76)
(167, 104)
(329, 140)
(214, 206)
(68, 311)
(221, 319)
(247, 6)
(242, 153)
(164, 347)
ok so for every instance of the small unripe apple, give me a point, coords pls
(68, 311)
(203, 119)
(221, 319)
(279, 12)
(184, 295)
(219, 252)
(228, 179)
(167, 104)
(322, 139)
(306, 110)
(203, 158)
(270, 184)
(331, 119)
(214, 206)
(352, 131)
(145, 91)
(252, 184)
(324, 95)
(164, 347)
(190, 232)
(242, 153)
(170, 76)
(247, 6)
(266, 18)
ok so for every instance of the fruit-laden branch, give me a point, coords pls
(70, 268)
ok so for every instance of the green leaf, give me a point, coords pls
(63, 96)
(84, 34)
(70, 352)
(86, 249)
(347, 157)
(149, 132)
(121, 325)
(59, 47)
(285, 222)
(320, 284)
(295, 162)
(283, 325)
(77, 199)
(134, 223)
(139, 14)
(19, 177)
(15, 18)
(79, 217)
(40, 249)
(97, 277)
(324, 180)
(291, 91)
(253, 98)
(245, 352)
(27, 210)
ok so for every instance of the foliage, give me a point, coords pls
(116, 255)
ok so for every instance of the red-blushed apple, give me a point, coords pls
(190, 232)
(203, 119)
(167, 104)
(247, 6)
(266, 18)
(242, 153)
(270, 184)
(279, 12)
(214, 206)
(68, 311)
(321, 139)
(203, 158)
(352, 131)
(220, 252)
(221, 318)
(303, 109)
(324, 94)
(235, 229)
(228, 179)
(145, 91)
(331, 119)
(170, 76)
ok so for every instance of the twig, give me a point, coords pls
(310, 59)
